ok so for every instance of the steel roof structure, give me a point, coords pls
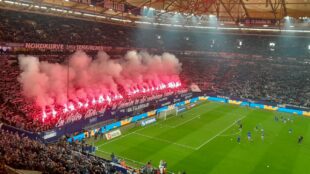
(233, 9)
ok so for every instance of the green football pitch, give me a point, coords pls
(204, 140)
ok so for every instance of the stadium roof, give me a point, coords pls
(270, 9)
(193, 12)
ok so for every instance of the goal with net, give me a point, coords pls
(170, 112)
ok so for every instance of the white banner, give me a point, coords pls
(113, 134)
(148, 121)
(49, 135)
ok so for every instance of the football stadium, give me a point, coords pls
(155, 87)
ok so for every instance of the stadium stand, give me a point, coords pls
(21, 27)
(280, 81)
(27, 27)
(23, 153)
(252, 72)
(19, 112)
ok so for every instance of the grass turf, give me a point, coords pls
(204, 140)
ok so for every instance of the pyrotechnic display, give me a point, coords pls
(84, 81)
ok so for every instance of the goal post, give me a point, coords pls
(167, 113)
(174, 111)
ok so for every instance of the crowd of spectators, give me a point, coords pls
(20, 152)
(11, 97)
(27, 27)
(22, 27)
(269, 80)
(15, 110)
(21, 112)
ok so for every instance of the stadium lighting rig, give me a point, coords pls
(272, 46)
(240, 43)
(211, 22)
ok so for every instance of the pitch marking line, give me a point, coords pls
(123, 136)
(127, 159)
(185, 122)
(187, 111)
(168, 125)
(157, 123)
(232, 134)
(218, 134)
(166, 141)
(193, 119)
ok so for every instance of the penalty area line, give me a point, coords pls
(232, 134)
(184, 122)
(125, 135)
(218, 134)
